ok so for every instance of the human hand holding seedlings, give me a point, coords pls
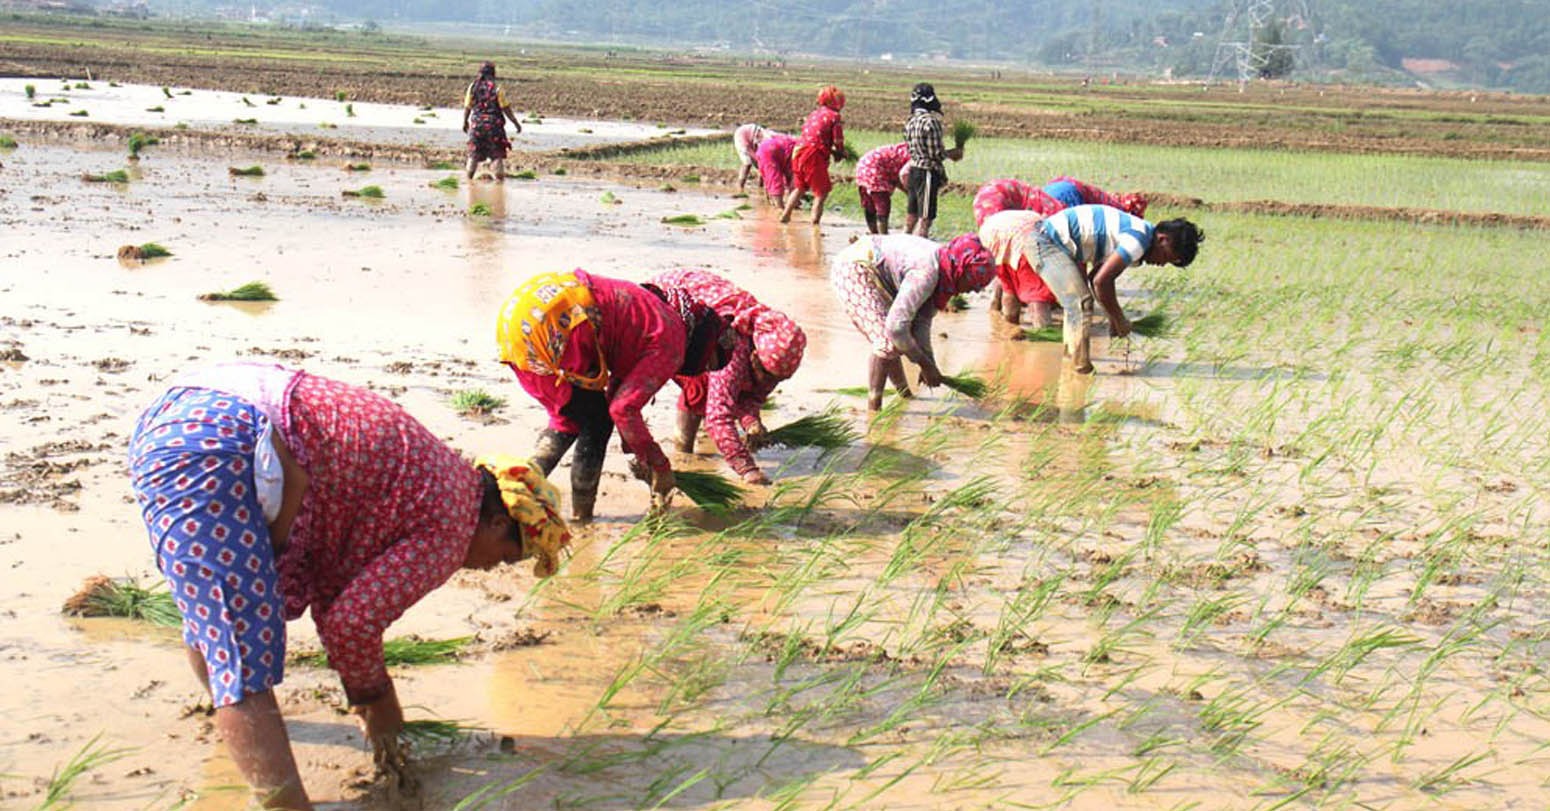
(757, 437)
(380, 721)
(756, 476)
(1119, 326)
(662, 484)
(930, 376)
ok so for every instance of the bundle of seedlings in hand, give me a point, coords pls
(115, 176)
(849, 154)
(828, 430)
(105, 597)
(1151, 325)
(251, 171)
(252, 291)
(967, 384)
(424, 733)
(711, 490)
(373, 192)
(962, 132)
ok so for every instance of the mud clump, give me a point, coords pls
(12, 354)
(131, 253)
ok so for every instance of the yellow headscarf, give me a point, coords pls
(534, 504)
(535, 323)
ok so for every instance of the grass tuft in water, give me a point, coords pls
(249, 171)
(103, 596)
(115, 176)
(252, 291)
(710, 490)
(91, 756)
(476, 402)
(448, 183)
(827, 430)
(683, 219)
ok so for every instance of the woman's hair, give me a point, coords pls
(487, 70)
(492, 505)
(1185, 237)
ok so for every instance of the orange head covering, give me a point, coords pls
(831, 97)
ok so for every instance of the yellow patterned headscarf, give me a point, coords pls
(534, 504)
(535, 323)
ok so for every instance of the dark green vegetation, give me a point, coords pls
(711, 490)
(115, 176)
(126, 598)
(248, 171)
(153, 250)
(252, 291)
(409, 650)
(830, 429)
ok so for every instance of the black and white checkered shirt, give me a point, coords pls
(923, 133)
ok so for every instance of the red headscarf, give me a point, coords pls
(778, 343)
(831, 97)
(966, 267)
(1133, 204)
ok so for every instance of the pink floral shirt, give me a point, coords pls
(878, 170)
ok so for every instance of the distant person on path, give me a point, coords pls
(923, 134)
(774, 159)
(892, 286)
(746, 140)
(1058, 247)
(766, 348)
(268, 492)
(485, 112)
(823, 136)
(1057, 195)
(878, 173)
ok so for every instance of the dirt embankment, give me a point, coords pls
(1274, 117)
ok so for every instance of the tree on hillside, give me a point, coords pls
(1272, 53)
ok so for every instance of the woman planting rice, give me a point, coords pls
(268, 492)
(878, 173)
(746, 140)
(594, 351)
(485, 112)
(892, 287)
(823, 135)
(1059, 194)
(1057, 248)
(766, 348)
(774, 160)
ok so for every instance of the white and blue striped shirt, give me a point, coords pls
(1091, 233)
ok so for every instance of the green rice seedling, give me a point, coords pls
(418, 120)
(274, 101)
(710, 490)
(303, 155)
(244, 121)
(139, 141)
(7, 142)
(401, 652)
(349, 110)
(82, 86)
(476, 402)
(559, 170)
(730, 214)
(44, 103)
(480, 210)
(967, 384)
(441, 166)
(124, 597)
(957, 303)
(828, 430)
(850, 154)
(849, 391)
(245, 171)
(1151, 325)
(82, 113)
(448, 183)
(91, 756)
(247, 103)
(1044, 335)
(962, 132)
(370, 192)
(425, 733)
(252, 291)
(525, 174)
(690, 178)
(357, 167)
(683, 219)
(667, 188)
(609, 199)
(31, 91)
(327, 125)
(585, 130)
(115, 176)
(339, 95)
(166, 92)
(157, 109)
(153, 250)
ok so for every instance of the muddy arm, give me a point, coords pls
(1103, 287)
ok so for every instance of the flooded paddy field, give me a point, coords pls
(1291, 554)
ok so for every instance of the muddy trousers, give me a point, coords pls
(1069, 284)
(589, 411)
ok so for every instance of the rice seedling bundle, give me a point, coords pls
(7, 142)
(166, 92)
(479, 210)
(115, 176)
(419, 120)
(476, 402)
(248, 103)
(730, 214)
(969, 385)
(31, 90)
(850, 155)
(1045, 334)
(1151, 325)
(273, 101)
(423, 733)
(244, 121)
(250, 171)
(106, 597)
(153, 250)
(252, 291)
(690, 178)
(609, 199)
(962, 132)
(80, 114)
(349, 110)
(828, 430)
(157, 109)
(304, 155)
(849, 391)
(408, 650)
(710, 490)
(957, 303)
(525, 174)
(441, 166)
(357, 167)
(448, 183)
(339, 95)
(139, 141)
(683, 219)
(559, 170)
(372, 192)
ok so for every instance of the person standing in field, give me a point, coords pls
(823, 136)
(268, 492)
(923, 135)
(485, 113)
(878, 173)
(746, 140)
(1057, 249)
(774, 158)
(892, 286)
(1057, 195)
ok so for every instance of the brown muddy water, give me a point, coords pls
(1046, 599)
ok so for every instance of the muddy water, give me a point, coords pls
(397, 294)
(136, 105)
